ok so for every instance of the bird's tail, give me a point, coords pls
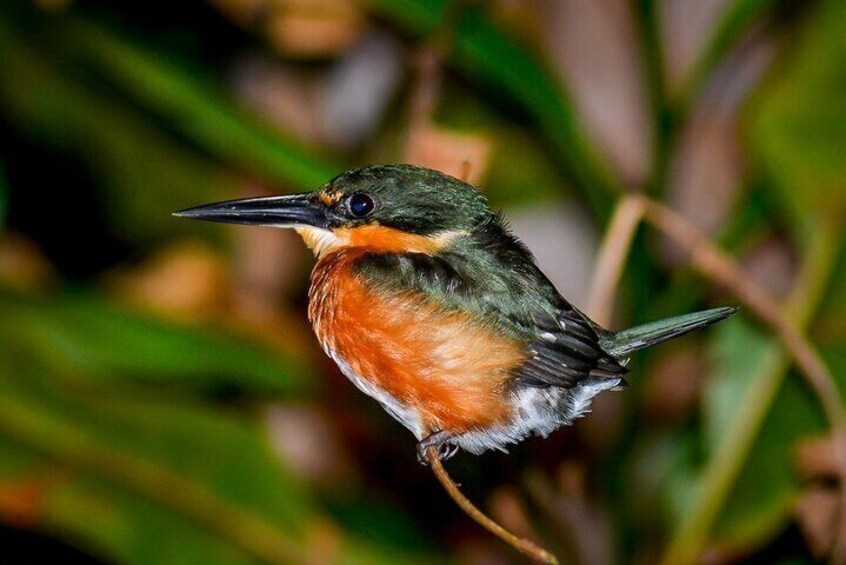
(621, 344)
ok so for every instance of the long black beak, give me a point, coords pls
(278, 211)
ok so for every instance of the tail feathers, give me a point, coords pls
(622, 344)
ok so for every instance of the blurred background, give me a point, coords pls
(162, 398)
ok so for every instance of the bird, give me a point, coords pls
(428, 303)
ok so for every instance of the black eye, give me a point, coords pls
(361, 204)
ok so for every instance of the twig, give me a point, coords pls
(429, 63)
(466, 170)
(522, 545)
(718, 266)
(421, 104)
(612, 258)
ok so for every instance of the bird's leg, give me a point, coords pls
(439, 440)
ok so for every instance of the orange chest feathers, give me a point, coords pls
(433, 370)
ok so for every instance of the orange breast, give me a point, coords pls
(444, 367)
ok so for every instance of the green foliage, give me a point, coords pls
(750, 380)
(810, 177)
(69, 332)
(139, 466)
(798, 126)
(142, 438)
(141, 168)
(198, 110)
(752, 415)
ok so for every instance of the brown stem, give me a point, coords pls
(428, 63)
(522, 545)
(718, 266)
(612, 258)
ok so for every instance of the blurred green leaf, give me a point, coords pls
(664, 467)
(119, 526)
(747, 436)
(750, 371)
(122, 527)
(170, 465)
(16, 462)
(197, 109)
(762, 497)
(172, 462)
(144, 171)
(105, 342)
(752, 418)
(484, 52)
(380, 523)
(740, 352)
(797, 127)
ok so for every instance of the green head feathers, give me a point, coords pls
(408, 198)
(405, 197)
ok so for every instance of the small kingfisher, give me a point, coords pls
(429, 304)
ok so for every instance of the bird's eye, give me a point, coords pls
(361, 204)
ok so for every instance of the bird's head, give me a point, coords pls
(388, 208)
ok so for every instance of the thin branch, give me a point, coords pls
(522, 545)
(718, 266)
(612, 258)
(428, 62)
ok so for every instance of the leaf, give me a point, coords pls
(144, 173)
(119, 526)
(805, 104)
(740, 352)
(829, 329)
(755, 418)
(142, 468)
(197, 109)
(764, 496)
(797, 127)
(749, 407)
(122, 527)
(102, 341)
(169, 464)
(735, 406)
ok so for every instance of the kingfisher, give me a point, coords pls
(428, 303)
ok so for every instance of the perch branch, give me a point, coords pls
(429, 67)
(612, 258)
(522, 545)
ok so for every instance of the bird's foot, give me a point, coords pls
(438, 440)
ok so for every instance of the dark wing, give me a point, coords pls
(566, 351)
(563, 342)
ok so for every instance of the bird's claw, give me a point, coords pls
(438, 440)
